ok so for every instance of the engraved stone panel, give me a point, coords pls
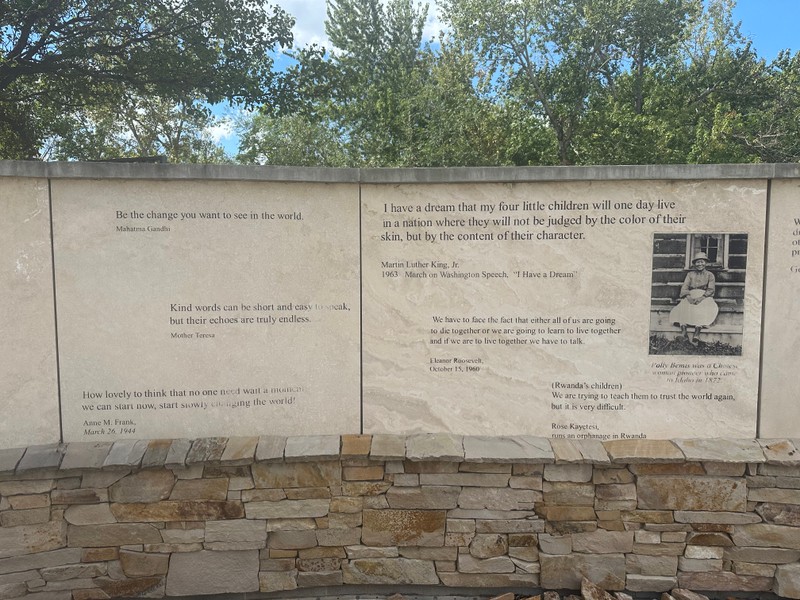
(551, 308)
(28, 388)
(199, 308)
(780, 412)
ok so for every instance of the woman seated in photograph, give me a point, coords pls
(697, 308)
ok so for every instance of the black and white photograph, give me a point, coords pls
(698, 292)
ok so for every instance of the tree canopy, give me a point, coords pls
(520, 82)
(59, 57)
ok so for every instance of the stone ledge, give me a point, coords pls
(177, 453)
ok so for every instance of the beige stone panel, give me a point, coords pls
(123, 280)
(780, 413)
(412, 382)
(28, 387)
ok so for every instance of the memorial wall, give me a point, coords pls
(145, 301)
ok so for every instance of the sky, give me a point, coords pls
(771, 24)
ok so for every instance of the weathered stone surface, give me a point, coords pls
(125, 453)
(719, 469)
(721, 450)
(569, 513)
(488, 545)
(435, 446)
(291, 524)
(34, 486)
(650, 583)
(47, 456)
(312, 447)
(681, 594)
(206, 572)
(139, 564)
(527, 525)
(288, 509)
(483, 580)
(430, 467)
(318, 564)
(156, 453)
(356, 445)
(274, 581)
(178, 510)
(15, 518)
(780, 514)
(119, 534)
(766, 535)
(775, 495)
(74, 571)
(239, 530)
(643, 451)
(79, 496)
(389, 571)
(603, 542)
(85, 455)
(13, 590)
(616, 492)
(466, 479)
(339, 536)
(425, 497)
(787, 581)
(590, 591)
(552, 544)
(692, 493)
(239, 450)
(718, 517)
(28, 539)
(776, 556)
(200, 489)
(566, 572)
(780, 452)
(142, 587)
(388, 447)
(612, 476)
(365, 488)
(144, 486)
(292, 540)
(263, 495)
(759, 570)
(500, 564)
(183, 536)
(701, 565)
(365, 473)
(178, 450)
(518, 449)
(270, 448)
(40, 560)
(359, 551)
(579, 473)
(724, 582)
(102, 479)
(661, 566)
(709, 539)
(297, 475)
(497, 499)
(319, 579)
(568, 494)
(403, 528)
(204, 450)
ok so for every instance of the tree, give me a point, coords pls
(138, 125)
(61, 56)
(376, 56)
(290, 140)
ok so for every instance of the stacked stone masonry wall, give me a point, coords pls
(157, 518)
